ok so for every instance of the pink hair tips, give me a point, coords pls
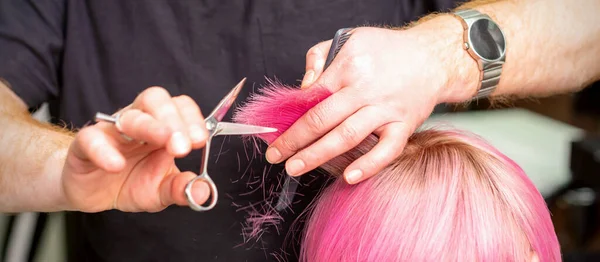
(449, 197)
(278, 106)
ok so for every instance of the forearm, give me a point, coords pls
(31, 159)
(552, 47)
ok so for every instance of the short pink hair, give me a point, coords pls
(450, 196)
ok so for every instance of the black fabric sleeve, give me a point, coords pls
(31, 44)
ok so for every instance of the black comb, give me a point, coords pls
(340, 38)
(289, 186)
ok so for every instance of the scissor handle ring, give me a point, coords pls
(213, 193)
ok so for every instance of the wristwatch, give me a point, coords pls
(485, 42)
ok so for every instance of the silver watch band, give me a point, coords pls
(467, 13)
(490, 71)
(489, 81)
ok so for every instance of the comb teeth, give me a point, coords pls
(340, 38)
(341, 42)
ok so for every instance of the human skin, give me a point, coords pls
(384, 82)
(45, 168)
(402, 202)
(387, 81)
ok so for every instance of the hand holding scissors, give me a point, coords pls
(126, 161)
(216, 127)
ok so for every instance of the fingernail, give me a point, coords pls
(273, 155)
(295, 167)
(308, 78)
(354, 176)
(197, 134)
(180, 143)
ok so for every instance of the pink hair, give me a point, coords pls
(450, 196)
(278, 106)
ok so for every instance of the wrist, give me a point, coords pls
(51, 179)
(51, 183)
(54, 168)
(442, 35)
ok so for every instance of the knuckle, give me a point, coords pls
(371, 164)
(157, 90)
(315, 56)
(166, 111)
(186, 105)
(152, 94)
(314, 157)
(84, 135)
(348, 134)
(137, 122)
(288, 145)
(184, 100)
(358, 61)
(399, 143)
(315, 119)
(313, 51)
(88, 140)
(384, 114)
(129, 118)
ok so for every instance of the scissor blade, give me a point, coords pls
(287, 193)
(221, 109)
(227, 128)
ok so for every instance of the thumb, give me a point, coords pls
(315, 61)
(173, 187)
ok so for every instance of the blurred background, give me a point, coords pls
(555, 140)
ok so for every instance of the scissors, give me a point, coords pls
(215, 128)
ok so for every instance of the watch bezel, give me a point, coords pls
(490, 69)
(467, 36)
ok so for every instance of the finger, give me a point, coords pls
(315, 61)
(193, 119)
(143, 127)
(340, 140)
(311, 126)
(158, 103)
(94, 145)
(391, 143)
(172, 190)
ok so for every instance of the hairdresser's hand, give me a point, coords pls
(385, 82)
(104, 170)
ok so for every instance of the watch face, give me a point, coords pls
(487, 39)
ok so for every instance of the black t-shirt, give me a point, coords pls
(87, 56)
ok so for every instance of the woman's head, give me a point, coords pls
(450, 196)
